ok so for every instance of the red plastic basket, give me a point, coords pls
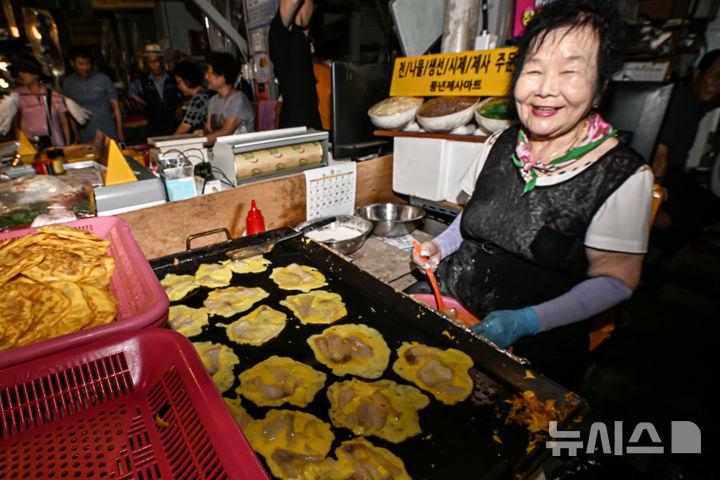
(135, 405)
(142, 301)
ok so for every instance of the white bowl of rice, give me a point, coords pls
(394, 113)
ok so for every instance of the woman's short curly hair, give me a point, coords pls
(603, 18)
(190, 73)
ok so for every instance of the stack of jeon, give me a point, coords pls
(52, 283)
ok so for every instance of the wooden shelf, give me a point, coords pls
(441, 136)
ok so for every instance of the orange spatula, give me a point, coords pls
(433, 281)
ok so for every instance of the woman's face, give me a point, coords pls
(557, 85)
(215, 81)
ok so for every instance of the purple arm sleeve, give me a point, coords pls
(584, 300)
(450, 239)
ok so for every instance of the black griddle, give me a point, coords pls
(456, 441)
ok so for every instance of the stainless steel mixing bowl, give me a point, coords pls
(391, 219)
(352, 222)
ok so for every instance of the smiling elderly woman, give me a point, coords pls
(557, 226)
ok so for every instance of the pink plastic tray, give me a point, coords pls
(464, 316)
(135, 405)
(142, 301)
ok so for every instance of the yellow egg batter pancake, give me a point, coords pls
(186, 320)
(257, 327)
(219, 361)
(277, 380)
(351, 349)
(178, 286)
(213, 275)
(229, 301)
(18, 308)
(319, 306)
(291, 442)
(79, 314)
(238, 412)
(361, 460)
(384, 408)
(102, 302)
(254, 264)
(53, 283)
(298, 277)
(444, 373)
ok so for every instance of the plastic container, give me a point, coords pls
(142, 301)
(135, 405)
(431, 168)
(463, 315)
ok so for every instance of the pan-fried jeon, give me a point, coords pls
(277, 380)
(186, 320)
(102, 302)
(292, 442)
(351, 349)
(79, 313)
(384, 408)
(213, 275)
(53, 283)
(319, 306)
(444, 373)
(229, 301)
(238, 412)
(178, 286)
(219, 361)
(298, 277)
(254, 264)
(257, 327)
(358, 459)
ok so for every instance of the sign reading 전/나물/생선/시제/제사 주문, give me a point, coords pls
(475, 72)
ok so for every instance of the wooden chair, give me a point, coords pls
(604, 324)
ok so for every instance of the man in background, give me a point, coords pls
(95, 92)
(157, 91)
(688, 207)
(291, 53)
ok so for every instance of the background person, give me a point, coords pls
(41, 114)
(557, 226)
(229, 111)
(95, 92)
(157, 91)
(689, 207)
(291, 53)
(189, 79)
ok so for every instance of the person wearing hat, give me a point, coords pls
(41, 112)
(158, 92)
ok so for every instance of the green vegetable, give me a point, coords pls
(500, 109)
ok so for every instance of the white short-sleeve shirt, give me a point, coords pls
(621, 224)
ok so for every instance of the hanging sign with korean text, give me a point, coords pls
(475, 72)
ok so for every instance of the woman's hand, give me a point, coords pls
(431, 252)
(505, 327)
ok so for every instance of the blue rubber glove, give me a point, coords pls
(505, 327)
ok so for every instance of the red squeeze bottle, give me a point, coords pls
(254, 222)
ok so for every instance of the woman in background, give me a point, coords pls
(42, 114)
(189, 79)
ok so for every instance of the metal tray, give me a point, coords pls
(456, 441)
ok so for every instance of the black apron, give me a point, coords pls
(520, 250)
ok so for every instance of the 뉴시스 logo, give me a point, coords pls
(684, 438)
